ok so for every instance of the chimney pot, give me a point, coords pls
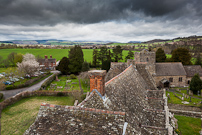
(46, 57)
(50, 56)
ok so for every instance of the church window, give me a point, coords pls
(171, 79)
(180, 79)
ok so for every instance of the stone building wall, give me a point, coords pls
(175, 82)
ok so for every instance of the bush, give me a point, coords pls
(1, 96)
(83, 96)
(48, 81)
(60, 94)
(72, 76)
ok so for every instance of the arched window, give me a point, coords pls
(147, 59)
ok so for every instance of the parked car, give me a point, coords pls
(7, 83)
(22, 78)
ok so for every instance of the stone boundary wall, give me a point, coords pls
(184, 107)
(186, 113)
(22, 95)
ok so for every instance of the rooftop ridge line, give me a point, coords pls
(118, 75)
(84, 109)
(86, 99)
(160, 128)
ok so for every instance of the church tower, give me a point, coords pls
(148, 58)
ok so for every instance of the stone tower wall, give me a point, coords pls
(149, 57)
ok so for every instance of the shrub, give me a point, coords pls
(83, 96)
(72, 76)
(1, 96)
(48, 81)
(60, 94)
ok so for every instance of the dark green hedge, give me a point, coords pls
(48, 81)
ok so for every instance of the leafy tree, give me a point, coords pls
(5, 63)
(95, 58)
(11, 57)
(198, 60)
(29, 65)
(106, 65)
(129, 56)
(117, 53)
(102, 55)
(181, 55)
(63, 66)
(196, 84)
(75, 59)
(160, 55)
(18, 58)
(85, 66)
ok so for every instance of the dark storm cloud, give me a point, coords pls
(51, 12)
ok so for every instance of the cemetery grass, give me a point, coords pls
(174, 100)
(188, 125)
(71, 86)
(56, 53)
(17, 118)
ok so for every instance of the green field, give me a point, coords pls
(17, 118)
(188, 125)
(56, 53)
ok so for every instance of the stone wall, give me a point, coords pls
(55, 120)
(184, 107)
(22, 95)
(175, 82)
(186, 113)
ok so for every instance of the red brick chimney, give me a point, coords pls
(50, 56)
(46, 57)
(97, 82)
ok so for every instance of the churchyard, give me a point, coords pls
(180, 96)
(68, 83)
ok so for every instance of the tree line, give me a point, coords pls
(178, 55)
(102, 58)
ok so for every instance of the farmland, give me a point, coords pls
(56, 53)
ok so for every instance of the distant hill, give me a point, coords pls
(134, 42)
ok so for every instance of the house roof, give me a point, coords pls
(49, 60)
(170, 69)
(192, 70)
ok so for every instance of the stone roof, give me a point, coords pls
(170, 69)
(115, 69)
(191, 70)
(128, 92)
(55, 120)
(146, 76)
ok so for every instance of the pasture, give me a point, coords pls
(17, 118)
(56, 53)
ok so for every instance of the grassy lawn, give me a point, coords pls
(2, 70)
(175, 100)
(56, 53)
(188, 125)
(73, 85)
(17, 118)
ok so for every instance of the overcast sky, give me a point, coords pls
(113, 20)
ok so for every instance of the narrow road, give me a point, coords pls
(10, 93)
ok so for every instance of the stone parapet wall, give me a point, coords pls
(186, 113)
(156, 103)
(154, 130)
(184, 107)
